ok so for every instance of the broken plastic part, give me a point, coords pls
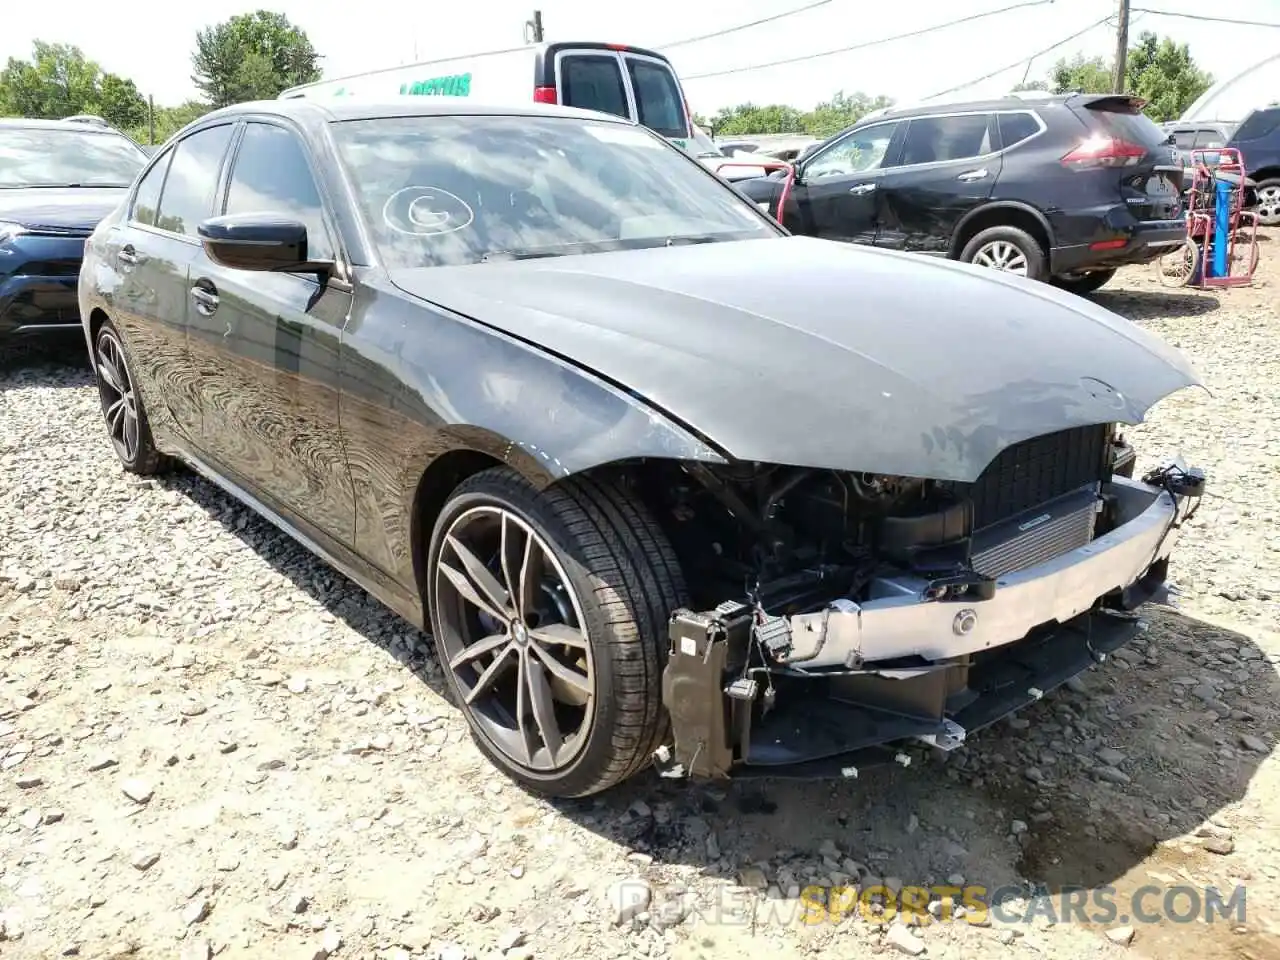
(1035, 693)
(948, 736)
(849, 772)
(902, 759)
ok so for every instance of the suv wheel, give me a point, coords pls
(1081, 283)
(1268, 206)
(1007, 249)
(549, 612)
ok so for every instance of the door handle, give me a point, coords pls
(862, 188)
(206, 300)
(127, 255)
(973, 175)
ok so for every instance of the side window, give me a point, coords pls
(147, 199)
(593, 83)
(859, 152)
(658, 101)
(271, 175)
(192, 181)
(938, 139)
(1016, 127)
(1184, 139)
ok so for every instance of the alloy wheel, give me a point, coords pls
(512, 631)
(1268, 207)
(1002, 255)
(119, 401)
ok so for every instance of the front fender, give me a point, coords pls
(420, 384)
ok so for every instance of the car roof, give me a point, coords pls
(970, 106)
(343, 108)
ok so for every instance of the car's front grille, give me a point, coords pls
(1040, 534)
(1038, 470)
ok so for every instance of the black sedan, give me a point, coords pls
(667, 485)
(58, 178)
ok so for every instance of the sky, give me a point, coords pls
(352, 37)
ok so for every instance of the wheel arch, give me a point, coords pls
(1002, 213)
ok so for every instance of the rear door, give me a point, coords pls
(626, 82)
(1128, 146)
(948, 165)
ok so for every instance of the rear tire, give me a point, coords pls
(1268, 206)
(577, 650)
(1082, 283)
(1007, 249)
(122, 407)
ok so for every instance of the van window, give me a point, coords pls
(658, 99)
(593, 83)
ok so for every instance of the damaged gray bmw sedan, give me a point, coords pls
(668, 486)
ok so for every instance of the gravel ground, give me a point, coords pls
(212, 744)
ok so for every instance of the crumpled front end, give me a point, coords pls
(966, 614)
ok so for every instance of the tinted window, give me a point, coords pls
(1184, 139)
(593, 83)
(193, 178)
(935, 139)
(457, 190)
(1016, 127)
(1258, 124)
(50, 157)
(860, 151)
(147, 198)
(658, 98)
(271, 175)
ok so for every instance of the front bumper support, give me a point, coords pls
(902, 669)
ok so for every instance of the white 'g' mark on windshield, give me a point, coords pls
(422, 211)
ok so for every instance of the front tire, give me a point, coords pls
(1008, 250)
(549, 613)
(122, 408)
(1082, 283)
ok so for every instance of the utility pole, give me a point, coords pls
(1122, 47)
(151, 119)
(533, 28)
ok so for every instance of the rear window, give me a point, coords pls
(658, 99)
(1258, 124)
(593, 83)
(1128, 125)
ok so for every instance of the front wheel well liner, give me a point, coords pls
(97, 317)
(441, 477)
(1002, 215)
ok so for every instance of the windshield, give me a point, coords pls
(440, 191)
(76, 157)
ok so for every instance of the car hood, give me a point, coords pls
(815, 353)
(59, 208)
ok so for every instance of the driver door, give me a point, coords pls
(839, 189)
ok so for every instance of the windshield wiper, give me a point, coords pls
(519, 255)
(682, 241)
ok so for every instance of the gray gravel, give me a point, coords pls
(212, 744)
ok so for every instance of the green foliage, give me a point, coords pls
(168, 121)
(1160, 71)
(252, 56)
(826, 118)
(59, 82)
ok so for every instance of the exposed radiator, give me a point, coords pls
(1037, 535)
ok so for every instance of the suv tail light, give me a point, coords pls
(544, 94)
(1101, 150)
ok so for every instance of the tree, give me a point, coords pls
(58, 81)
(1160, 71)
(168, 121)
(826, 118)
(252, 56)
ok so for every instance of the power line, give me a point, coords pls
(744, 26)
(871, 43)
(1199, 16)
(1018, 63)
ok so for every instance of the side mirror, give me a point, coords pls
(259, 241)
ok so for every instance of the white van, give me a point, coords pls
(608, 77)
